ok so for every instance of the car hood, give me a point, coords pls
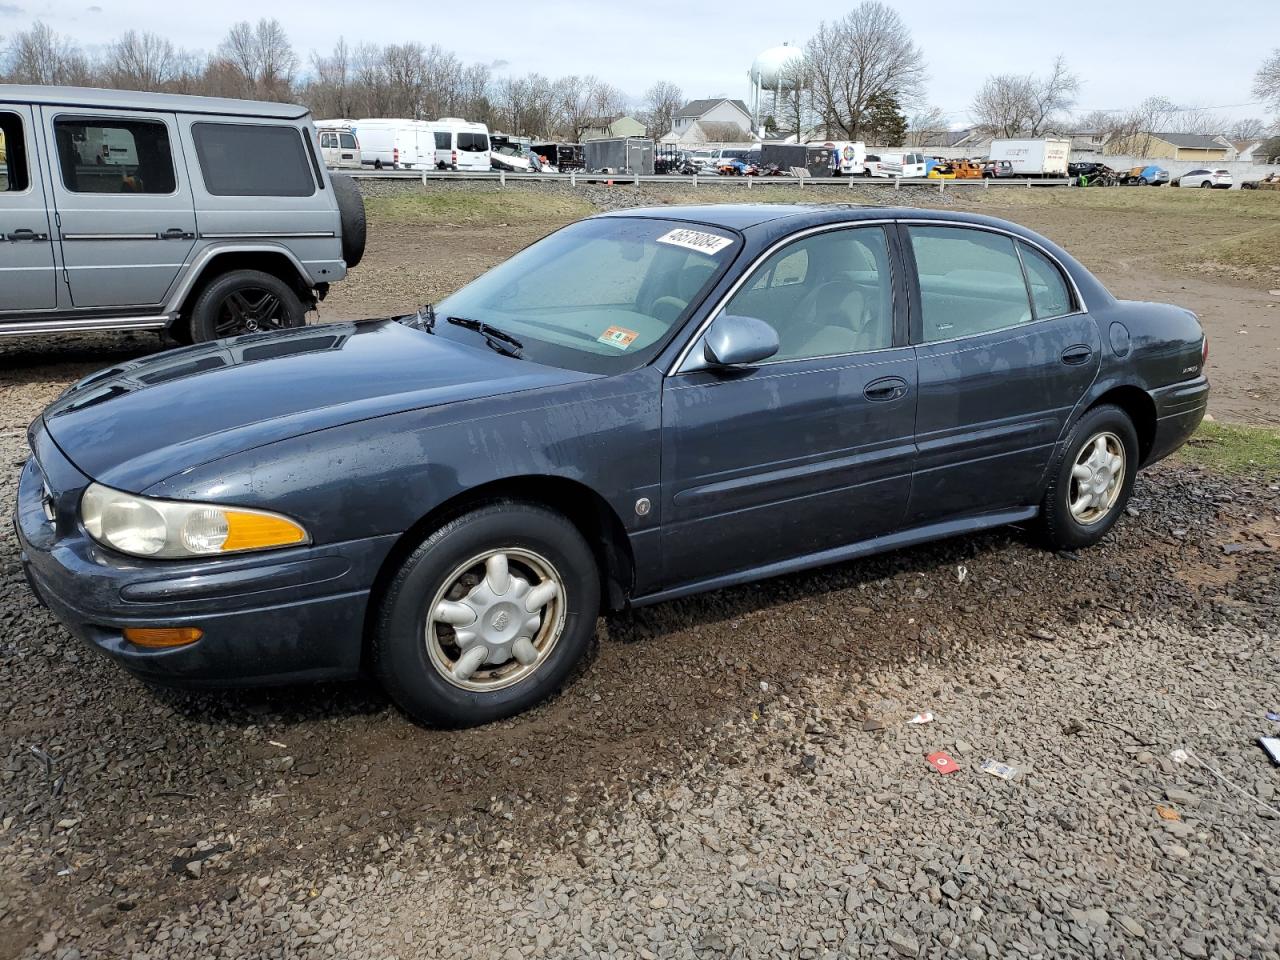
(138, 423)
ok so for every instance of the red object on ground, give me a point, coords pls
(942, 762)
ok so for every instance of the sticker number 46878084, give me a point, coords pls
(698, 240)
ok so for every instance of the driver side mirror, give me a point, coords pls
(738, 341)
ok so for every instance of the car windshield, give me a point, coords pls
(600, 296)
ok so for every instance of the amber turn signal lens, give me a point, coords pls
(162, 636)
(254, 531)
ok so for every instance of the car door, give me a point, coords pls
(811, 449)
(125, 217)
(1004, 354)
(28, 279)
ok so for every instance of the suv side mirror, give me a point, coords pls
(737, 341)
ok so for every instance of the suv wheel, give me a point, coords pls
(245, 301)
(1092, 479)
(487, 617)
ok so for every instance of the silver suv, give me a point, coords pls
(135, 211)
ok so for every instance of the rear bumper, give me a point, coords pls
(1179, 409)
(284, 616)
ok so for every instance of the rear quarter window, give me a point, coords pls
(252, 160)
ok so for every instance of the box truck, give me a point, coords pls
(1045, 157)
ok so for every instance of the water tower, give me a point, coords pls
(772, 73)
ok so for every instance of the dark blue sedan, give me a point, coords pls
(641, 406)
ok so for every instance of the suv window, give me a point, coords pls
(1192, 173)
(473, 142)
(100, 155)
(1049, 292)
(13, 155)
(252, 160)
(971, 282)
(825, 295)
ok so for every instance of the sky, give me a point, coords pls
(1179, 51)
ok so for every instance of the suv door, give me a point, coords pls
(27, 269)
(811, 449)
(125, 219)
(1005, 352)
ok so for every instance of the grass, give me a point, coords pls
(1234, 449)
(1247, 204)
(1256, 250)
(477, 207)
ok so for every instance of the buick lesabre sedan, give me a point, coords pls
(641, 406)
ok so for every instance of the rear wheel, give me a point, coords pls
(1092, 479)
(245, 301)
(488, 616)
(1205, 185)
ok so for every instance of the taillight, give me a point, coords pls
(1204, 350)
(395, 154)
(453, 158)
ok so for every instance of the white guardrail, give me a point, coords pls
(622, 179)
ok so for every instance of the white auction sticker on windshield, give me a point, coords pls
(695, 240)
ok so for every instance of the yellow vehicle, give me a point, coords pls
(942, 171)
(967, 169)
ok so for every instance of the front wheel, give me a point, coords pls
(488, 616)
(1092, 479)
(245, 301)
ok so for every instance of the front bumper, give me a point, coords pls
(282, 616)
(1179, 409)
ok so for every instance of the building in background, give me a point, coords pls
(609, 128)
(1170, 146)
(714, 120)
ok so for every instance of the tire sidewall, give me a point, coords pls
(401, 661)
(1064, 530)
(204, 314)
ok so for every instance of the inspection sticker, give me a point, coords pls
(619, 337)
(695, 240)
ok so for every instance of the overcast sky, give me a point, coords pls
(1181, 49)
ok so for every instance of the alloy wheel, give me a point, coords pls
(1097, 478)
(495, 619)
(249, 310)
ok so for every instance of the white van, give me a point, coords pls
(461, 145)
(850, 157)
(901, 165)
(339, 148)
(395, 143)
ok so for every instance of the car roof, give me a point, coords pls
(744, 216)
(136, 100)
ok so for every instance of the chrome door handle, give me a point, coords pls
(177, 233)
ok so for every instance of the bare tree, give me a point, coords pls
(661, 101)
(331, 90)
(1197, 120)
(925, 127)
(261, 58)
(867, 52)
(1248, 128)
(40, 55)
(1002, 105)
(793, 111)
(1132, 131)
(584, 99)
(1266, 82)
(1009, 105)
(142, 61)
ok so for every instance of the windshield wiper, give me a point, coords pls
(499, 340)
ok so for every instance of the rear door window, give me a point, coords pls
(971, 282)
(106, 155)
(473, 142)
(13, 155)
(252, 160)
(442, 141)
(347, 141)
(1049, 292)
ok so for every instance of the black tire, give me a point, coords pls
(224, 307)
(377, 164)
(1206, 185)
(400, 659)
(1059, 527)
(351, 217)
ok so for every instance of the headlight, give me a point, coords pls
(144, 527)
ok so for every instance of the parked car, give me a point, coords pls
(1151, 174)
(1270, 182)
(142, 211)
(911, 165)
(1217, 179)
(641, 406)
(992, 169)
(339, 148)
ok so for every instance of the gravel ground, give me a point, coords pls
(731, 775)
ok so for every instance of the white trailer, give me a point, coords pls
(1045, 157)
